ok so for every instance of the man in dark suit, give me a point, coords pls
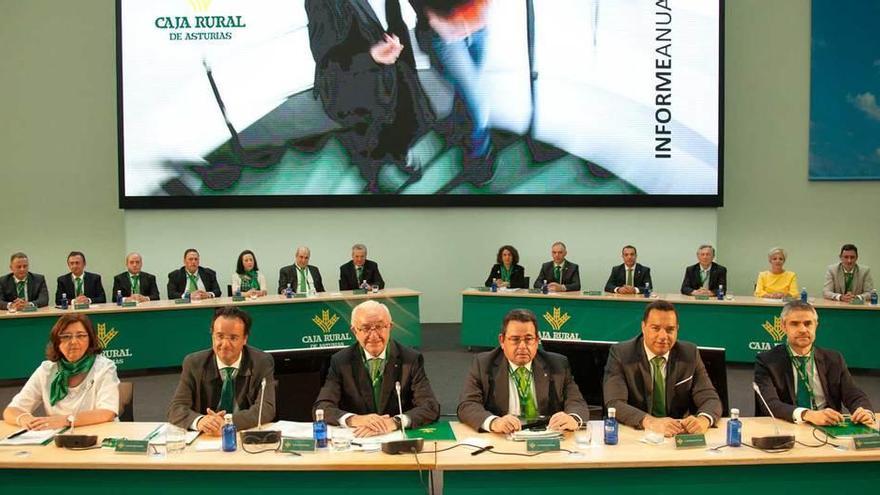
(517, 379)
(802, 382)
(658, 382)
(135, 284)
(365, 76)
(226, 379)
(359, 392)
(704, 278)
(20, 287)
(561, 275)
(300, 276)
(79, 285)
(629, 277)
(358, 270)
(197, 281)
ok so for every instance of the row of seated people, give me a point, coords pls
(21, 286)
(844, 281)
(655, 381)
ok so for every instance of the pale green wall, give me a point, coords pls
(57, 100)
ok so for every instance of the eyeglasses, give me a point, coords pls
(67, 337)
(528, 341)
(377, 328)
(231, 338)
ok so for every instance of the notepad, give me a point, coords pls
(32, 437)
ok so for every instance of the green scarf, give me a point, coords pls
(249, 281)
(66, 369)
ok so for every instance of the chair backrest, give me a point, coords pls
(228, 290)
(527, 282)
(126, 401)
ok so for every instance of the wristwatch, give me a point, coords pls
(398, 422)
(70, 420)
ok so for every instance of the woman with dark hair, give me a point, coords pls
(247, 277)
(507, 272)
(75, 385)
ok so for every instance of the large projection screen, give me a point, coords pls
(236, 103)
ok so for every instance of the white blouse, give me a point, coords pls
(103, 394)
(236, 281)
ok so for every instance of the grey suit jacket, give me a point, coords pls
(37, 292)
(628, 385)
(348, 389)
(863, 283)
(200, 385)
(486, 390)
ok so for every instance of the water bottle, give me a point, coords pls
(494, 286)
(803, 294)
(720, 293)
(545, 288)
(64, 302)
(874, 297)
(228, 439)
(238, 293)
(734, 429)
(119, 298)
(288, 292)
(365, 286)
(647, 289)
(319, 427)
(185, 295)
(611, 427)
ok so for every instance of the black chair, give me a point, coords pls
(126, 401)
(299, 375)
(228, 290)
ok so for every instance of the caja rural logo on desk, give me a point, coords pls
(557, 319)
(776, 332)
(105, 337)
(327, 337)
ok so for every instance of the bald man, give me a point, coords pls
(134, 283)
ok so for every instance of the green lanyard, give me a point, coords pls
(505, 273)
(805, 373)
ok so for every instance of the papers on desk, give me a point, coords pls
(296, 429)
(31, 437)
(291, 429)
(523, 435)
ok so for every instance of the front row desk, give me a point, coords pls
(743, 325)
(631, 467)
(158, 334)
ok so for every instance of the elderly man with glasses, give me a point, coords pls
(359, 392)
(518, 383)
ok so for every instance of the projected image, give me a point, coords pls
(383, 102)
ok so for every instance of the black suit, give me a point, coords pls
(37, 292)
(348, 275)
(629, 386)
(775, 377)
(92, 288)
(691, 282)
(348, 389)
(641, 276)
(288, 275)
(147, 283)
(571, 276)
(178, 282)
(517, 276)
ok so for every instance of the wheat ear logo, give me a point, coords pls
(775, 330)
(200, 5)
(558, 319)
(325, 322)
(105, 336)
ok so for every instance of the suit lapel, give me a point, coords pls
(367, 12)
(819, 357)
(645, 371)
(215, 383)
(788, 375)
(390, 374)
(502, 384)
(125, 283)
(243, 379)
(542, 386)
(361, 378)
(672, 377)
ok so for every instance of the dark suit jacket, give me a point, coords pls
(287, 275)
(571, 276)
(628, 385)
(486, 390)
(691, 282)
(92, 288)
(200, 385)
(775, 377)
(347, 388)
(517, 276)
(148, 285)
(348, 275)
(37, 292)
(178, 282)
(641, 276)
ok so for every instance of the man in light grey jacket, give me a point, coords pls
(847, 280)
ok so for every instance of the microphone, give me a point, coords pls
(70, 440)
(260, 436)
(413, 445)
(772, 442)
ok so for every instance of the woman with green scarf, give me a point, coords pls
(76, 384)
(507, 272)
(248, 279)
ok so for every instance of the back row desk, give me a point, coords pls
(158, 334)
(743, 325)
(630, 467)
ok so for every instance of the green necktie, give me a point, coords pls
(847, 282)
(523, 380)
(135, 284)
(376, 366)
(804, 398)
(193, 283)
(704, 275)
(658, 398)
(79, 286)
(629, 277)
(20, 289)
(227, 393)
(360, 274)
(302, 279)
(557, 274)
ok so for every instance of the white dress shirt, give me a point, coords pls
(103, 394)
(378, 7)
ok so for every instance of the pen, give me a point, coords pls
(480, 451)
(18, 433)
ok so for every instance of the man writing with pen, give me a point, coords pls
(226, 379)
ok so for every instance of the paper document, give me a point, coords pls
(32, 437)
